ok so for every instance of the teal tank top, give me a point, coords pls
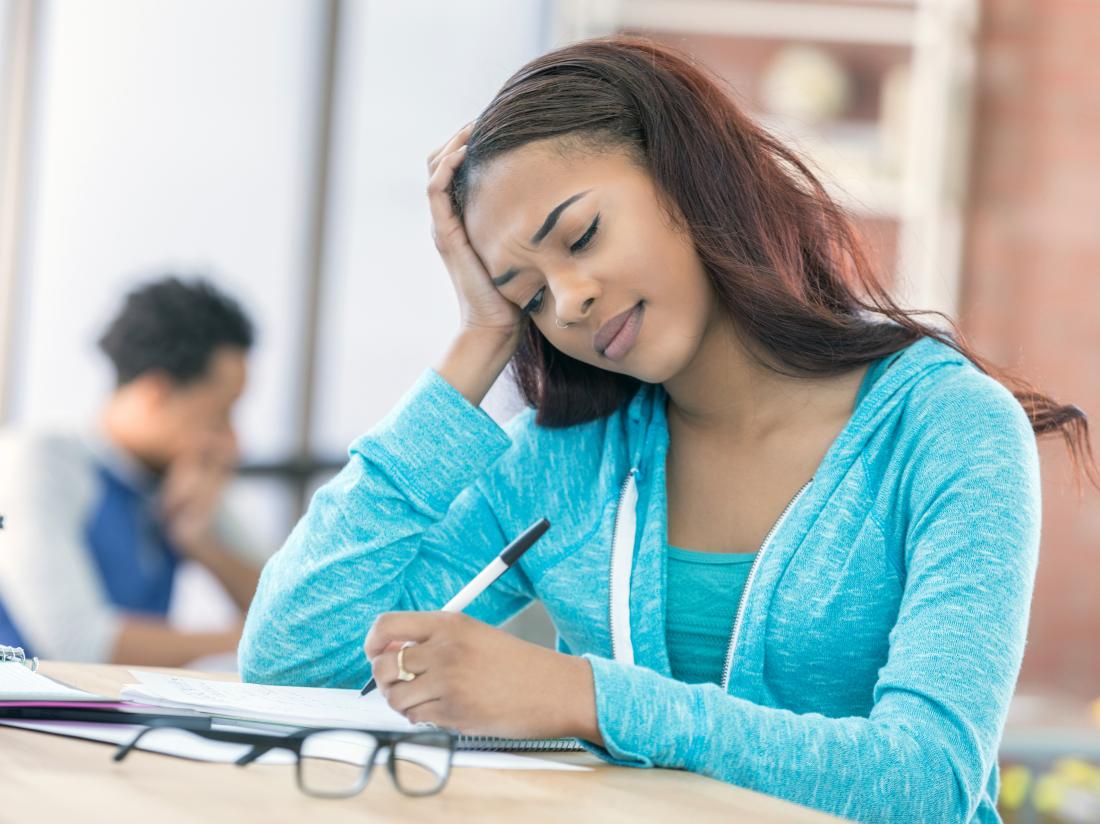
(703, 591)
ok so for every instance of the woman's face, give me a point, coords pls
(580, 237)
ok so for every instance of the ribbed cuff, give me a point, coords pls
(614, 714)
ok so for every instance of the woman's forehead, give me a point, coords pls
(513, 193)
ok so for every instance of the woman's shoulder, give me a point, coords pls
(953, 423)
(958, 400)
(959, 445)
(962, 428)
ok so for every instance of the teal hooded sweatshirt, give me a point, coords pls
(877, 640)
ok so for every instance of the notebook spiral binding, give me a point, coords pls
(16, 654)
(486, 742)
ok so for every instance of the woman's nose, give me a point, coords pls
(574, 296)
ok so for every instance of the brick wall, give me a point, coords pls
(1031, 285)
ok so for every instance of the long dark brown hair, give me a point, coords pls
(783, 258)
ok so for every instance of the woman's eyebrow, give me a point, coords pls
(546, 228)
(552, 218)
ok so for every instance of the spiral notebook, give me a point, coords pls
(303, 707)
(15, 655)
(21, 681)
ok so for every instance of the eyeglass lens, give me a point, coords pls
(421, 765)
(336, 763)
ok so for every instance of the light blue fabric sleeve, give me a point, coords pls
(969, 519)
(402, 527)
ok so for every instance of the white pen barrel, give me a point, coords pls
(477, 586)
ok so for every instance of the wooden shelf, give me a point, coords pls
(881, 24)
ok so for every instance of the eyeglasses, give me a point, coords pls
(331, 762)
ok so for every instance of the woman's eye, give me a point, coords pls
(586, 238)
(535, 303)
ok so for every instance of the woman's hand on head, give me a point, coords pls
(484, 309)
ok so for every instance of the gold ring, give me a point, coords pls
(402, 673)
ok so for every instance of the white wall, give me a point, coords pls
(170, 134)
(413, 73)
(6, 11)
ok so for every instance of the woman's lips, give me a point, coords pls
(616, 337)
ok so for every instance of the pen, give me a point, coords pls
(484, 579)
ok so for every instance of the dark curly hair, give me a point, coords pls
(173, 326)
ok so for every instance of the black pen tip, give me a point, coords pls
(525, 541)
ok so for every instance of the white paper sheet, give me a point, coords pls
(168, 742)
(184, 745)
(18, 683)
(304, 706)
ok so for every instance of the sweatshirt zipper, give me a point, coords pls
(749, 581)
(617, 548)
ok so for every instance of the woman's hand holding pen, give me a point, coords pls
(490, 324)
(479, 679)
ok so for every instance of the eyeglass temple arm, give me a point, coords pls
(256, 751)
(125, 749)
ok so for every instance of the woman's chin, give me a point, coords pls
(642, 364)
(650, 368)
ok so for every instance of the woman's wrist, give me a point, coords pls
(474, 361)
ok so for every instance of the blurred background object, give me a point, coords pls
(282, 142)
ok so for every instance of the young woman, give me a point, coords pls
(794, 530)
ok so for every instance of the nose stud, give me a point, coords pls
(560, 325)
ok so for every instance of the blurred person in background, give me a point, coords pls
(97, 524)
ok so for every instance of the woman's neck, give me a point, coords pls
(727, 393)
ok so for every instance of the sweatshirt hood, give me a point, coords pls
(635, 616)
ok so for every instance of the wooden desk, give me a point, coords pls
(47, 778)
